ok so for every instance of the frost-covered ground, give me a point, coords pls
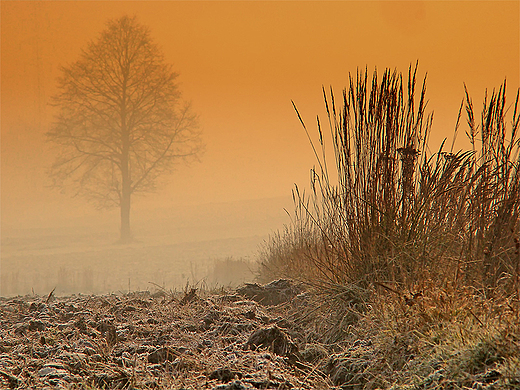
(150, 341)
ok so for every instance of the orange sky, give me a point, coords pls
(240, 64)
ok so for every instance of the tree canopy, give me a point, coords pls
(121, 121)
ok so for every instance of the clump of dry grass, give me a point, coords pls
(414, 254)
(449, 337)
(392, 211)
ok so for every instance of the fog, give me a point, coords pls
(240, 64)
(210, 245)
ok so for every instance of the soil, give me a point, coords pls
(141, 340)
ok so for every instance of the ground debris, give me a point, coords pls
(189, 296)
(274, 339)
(274, 293)
(142, 341)
(224, 375)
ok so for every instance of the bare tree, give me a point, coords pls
(121, 123)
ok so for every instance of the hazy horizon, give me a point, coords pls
(171, 248)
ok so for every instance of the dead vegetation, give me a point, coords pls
(413, 254)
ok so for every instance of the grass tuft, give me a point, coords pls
(413, 253)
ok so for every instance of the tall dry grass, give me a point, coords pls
(414, 253)
(392, 212)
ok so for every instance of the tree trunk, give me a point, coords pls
(126, 191)
(126, 234)
(126, 180)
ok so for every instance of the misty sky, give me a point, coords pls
(240, 64)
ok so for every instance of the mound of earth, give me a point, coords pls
(274, 293)
(158, 341)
